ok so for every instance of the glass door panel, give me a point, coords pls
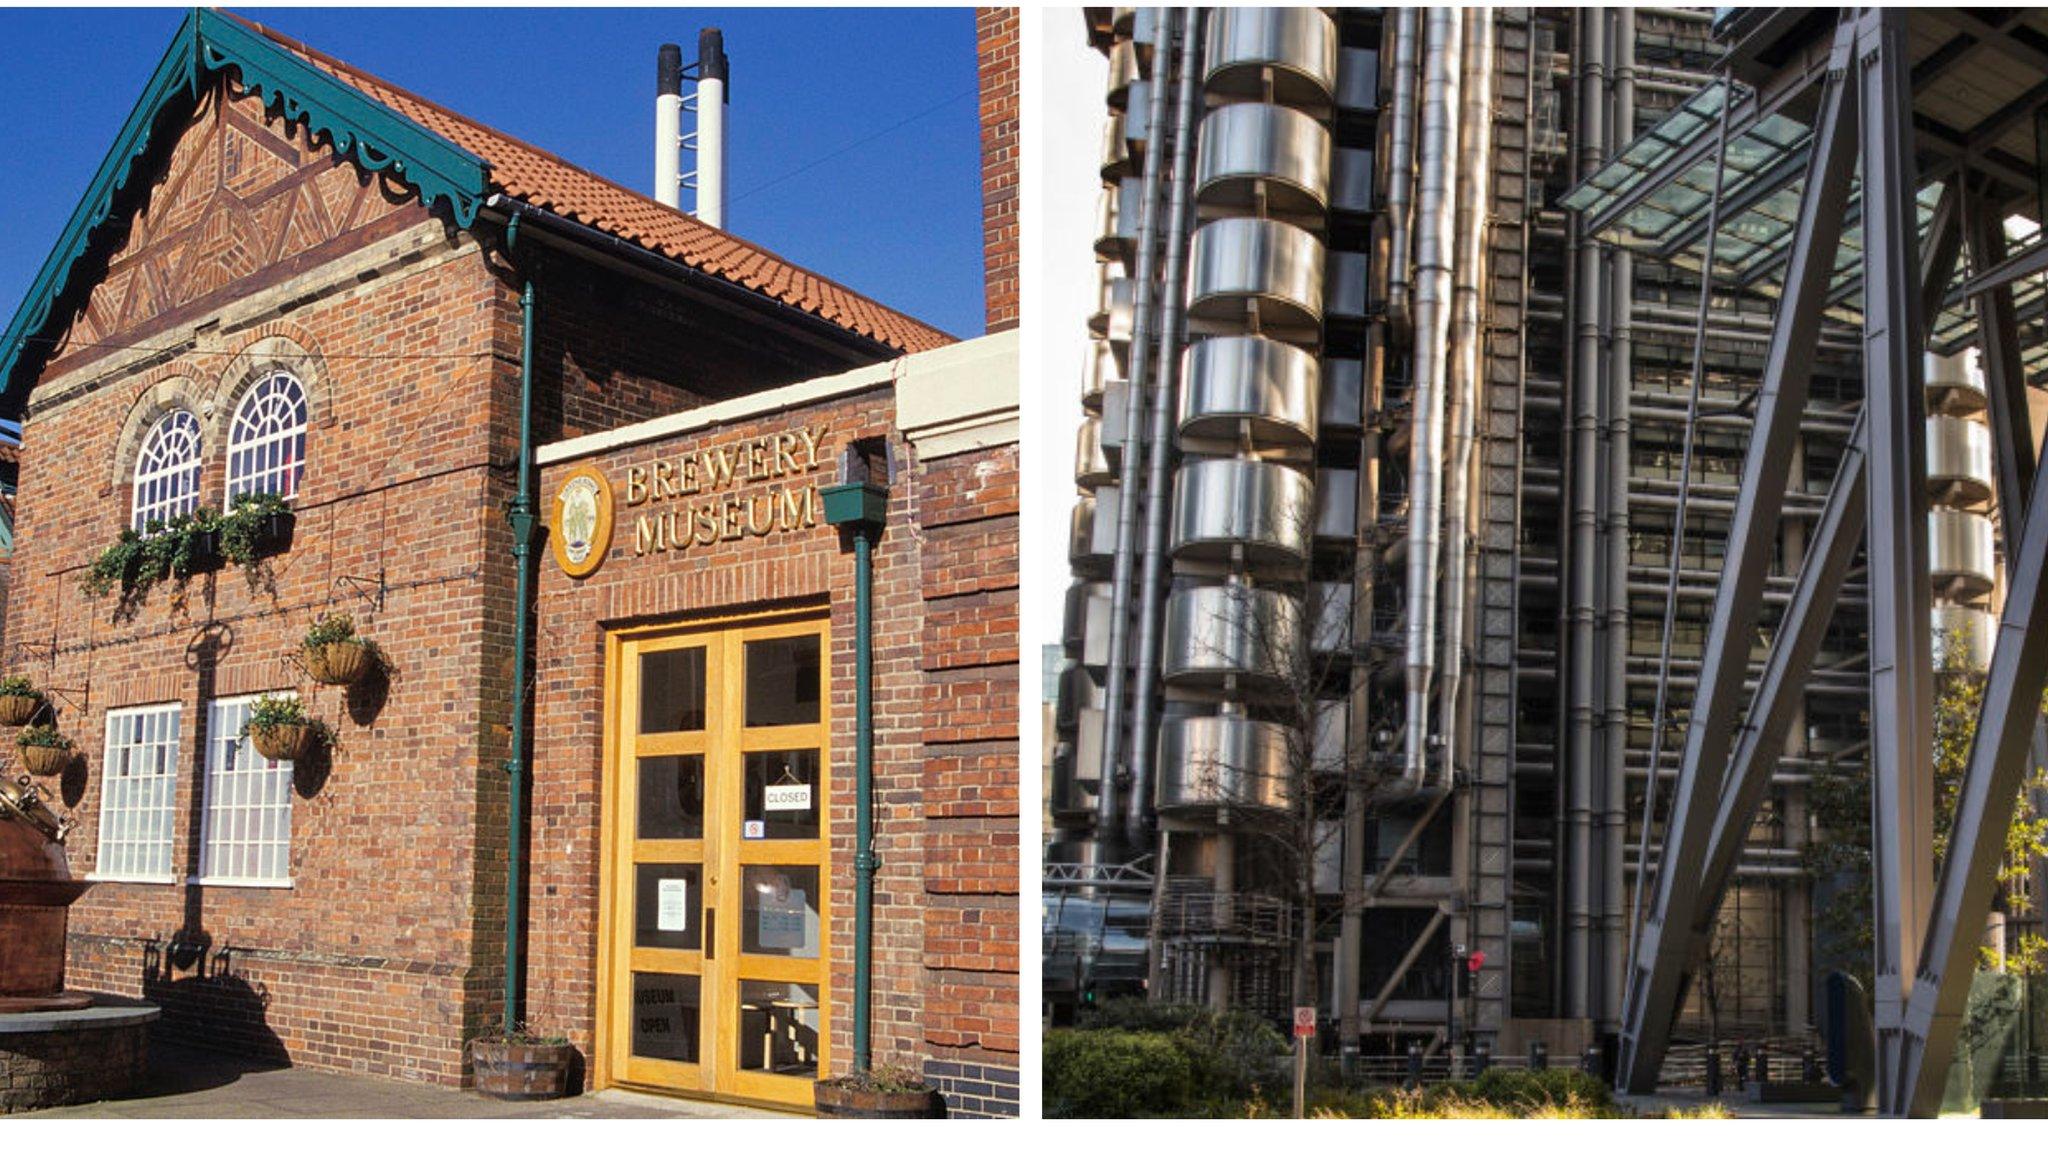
(717, 891)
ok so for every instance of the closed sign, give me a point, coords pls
(787, 798)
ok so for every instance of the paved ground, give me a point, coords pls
(193, 1084)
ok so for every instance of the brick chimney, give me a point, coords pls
(996, 30)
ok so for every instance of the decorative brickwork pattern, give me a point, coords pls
(974, 1091)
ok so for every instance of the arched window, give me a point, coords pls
(267, 442)
(167, 470)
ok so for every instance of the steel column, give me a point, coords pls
(1658, 978)
(1901, 652)
(1984, 808)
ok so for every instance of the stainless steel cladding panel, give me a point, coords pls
(1275, 267)
(1358, 79)
(1336, 504)
(1342, 393)
(1250, 387)
(1346, 281)
(1299, 45)
(1221, 505)
(1123, 72)
(1967, 632)
(1091, 543)
(1092, 466)
(1085, 624)
(1116, 149)
(1954, 384)
(1249, 151)
(1212, 762)
(1959, 554)
(1959, 460)
(1114, 300)
(1096, 374)
(1351, 173)
(1218, 632)
(1329, 613)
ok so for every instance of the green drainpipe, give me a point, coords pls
(523, 520)
(859, 507)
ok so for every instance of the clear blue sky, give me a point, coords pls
(893, 214)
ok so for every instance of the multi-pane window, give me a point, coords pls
(167, 470)
(247, 830)
(138, 794)
(267, 443)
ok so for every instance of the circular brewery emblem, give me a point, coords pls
(582, 528)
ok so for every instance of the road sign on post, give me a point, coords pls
(1304, 1031)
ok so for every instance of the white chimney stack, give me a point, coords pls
(711, 78)
(668, 125)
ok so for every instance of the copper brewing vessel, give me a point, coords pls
(36, 894)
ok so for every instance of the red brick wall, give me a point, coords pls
(945, 766)
(387, 951)
(968, 508)
(997, 32)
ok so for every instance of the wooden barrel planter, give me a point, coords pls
(341, 663)
(44, 761)
(16, 711)
(507, 1071)
(284, 742)
(845, 1101)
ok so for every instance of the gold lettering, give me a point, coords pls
(785, 460)
(814, 439)
(717, 468)
(636, 485)
(765, 523)
(664, 485)
(729, 519)
(707, 523)
(644, 536)
(686, 470)
(794, 509)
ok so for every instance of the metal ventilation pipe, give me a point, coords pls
(1620, 377)
(1475, 144)
(1165, 403)
(1583, 568)
(1435, 220)
(668, 125)
(1401, 162)
(1114, 705)
(712, 71)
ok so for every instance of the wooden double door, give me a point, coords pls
(717, 908)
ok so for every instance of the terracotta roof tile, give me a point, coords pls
(526, 173)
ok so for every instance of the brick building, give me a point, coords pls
(291, 277)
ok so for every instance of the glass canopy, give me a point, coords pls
(1664, 182)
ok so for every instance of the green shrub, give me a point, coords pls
(42, 736)
(19, 686)
(1527, 1089)
(1233, 1055)
(1105, 1073)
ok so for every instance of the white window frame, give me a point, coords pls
(245, 820)
(167, 473)
(267, 450)
(139, 796)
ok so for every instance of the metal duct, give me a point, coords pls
(1401, 161)
(1107, 813)
(1576, 816)
(668, 125)
(1620, 378)
(1435, 221)
(1159, 442)
(1475, 144)
(712, 75)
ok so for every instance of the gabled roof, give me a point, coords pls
(452, 163)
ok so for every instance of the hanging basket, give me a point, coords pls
(284, 742)
(344, 662)
(18, 710)
(40, 760)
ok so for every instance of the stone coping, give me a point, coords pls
(106, 1012)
